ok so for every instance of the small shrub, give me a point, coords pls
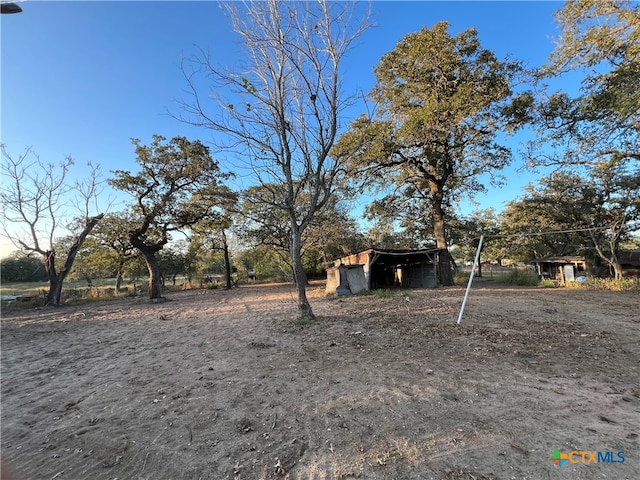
(301, 321)
(99, 293)
(74, 293)
(109, 292)
(212, 286)
(547, 283)
(627, 284)
(461, 277)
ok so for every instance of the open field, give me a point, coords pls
(216, 384)
(75, 289)
(18, 295)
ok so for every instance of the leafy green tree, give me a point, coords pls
(264, 222)
(171, 174)
(595, 214)
(400, 221)
(601, 124)
(594, 31)
(37, 198)
(331, 234)
(594, 137)
(617, 211)
(281, 109)
(561, 203)
(442, 101)
(19, 267)
(172, 261)
(466, 232)
(216, 251)
(83, 267)
(215, 227)
(108, 250)
(267, 263)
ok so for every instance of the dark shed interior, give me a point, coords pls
(389, 268)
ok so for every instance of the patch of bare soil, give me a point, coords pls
(231, 385)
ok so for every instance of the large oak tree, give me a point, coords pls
(441, 102)
(171, 175)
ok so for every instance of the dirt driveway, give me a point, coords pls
(231, 385)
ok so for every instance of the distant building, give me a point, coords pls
(630, 263)
(570, 268)
(562, 269)
(376, 268)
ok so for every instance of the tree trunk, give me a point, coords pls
(446, 268)
(56, 279)
(54, 295)
(440, 234)
(612, 257)
(227, 261)
(617, 268)
(155, 275)
(118, 281)
(299, 276)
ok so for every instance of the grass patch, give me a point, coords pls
(520, 277)
(19, 289)
(31, 294)
(28, 304)
(301, 321)
(385, 293)
(461, 277)
(546, 283)
(611, 284)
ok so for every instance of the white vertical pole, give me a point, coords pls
(473, 272)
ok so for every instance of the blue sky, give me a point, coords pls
(81, 78)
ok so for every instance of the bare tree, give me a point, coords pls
(281, 109)
(37, 199)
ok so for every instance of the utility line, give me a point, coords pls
(548, 232)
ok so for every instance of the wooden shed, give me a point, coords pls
(375, 268)
(562, 269)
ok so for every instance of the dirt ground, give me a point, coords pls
(232, 385)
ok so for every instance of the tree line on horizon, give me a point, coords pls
(433, 125)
